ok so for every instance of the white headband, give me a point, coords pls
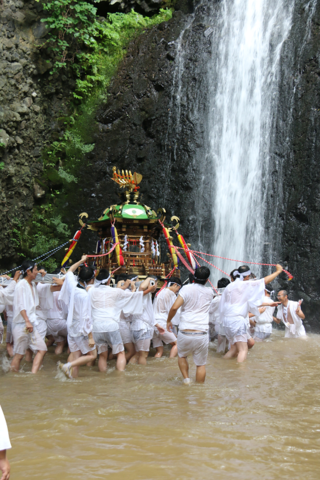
(29, 268)
(242, 275)
(102, 282)
(173, 283)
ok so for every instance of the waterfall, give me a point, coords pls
(243, 83)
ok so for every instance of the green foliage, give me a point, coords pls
(90, 50)
(44, 232)
(91, 47)
(1, 166)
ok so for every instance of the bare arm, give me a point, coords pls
(55, 288)
(74, 267)
(29, 326)
(299, 312)
(173, 310)
(269, 278)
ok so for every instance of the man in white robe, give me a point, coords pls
(142, 325)
(107, 303)
(25, 321)
(4, 446)
(263, 322)
(290, 313)
(239, 298)
(57, 331)
(161, 307)
(75, 297)
(193, 338)
(215, 317)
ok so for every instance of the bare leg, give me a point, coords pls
(134, 360)
(159, 352)
(15, 364)
(174, 350)
(250, 343)
(121, 361)
(142, 358)
(102, 362)
(73, 356)
(60, 346)
(37, 361)
(111, 355)
(243, 351)
(233, 352)
(184, 366)
(49, 340)
(29, 354)
(10, 349)
(84, 359)
(201, 374)
(130, 351)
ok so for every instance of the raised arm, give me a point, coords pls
(269, 278)
(74, 267)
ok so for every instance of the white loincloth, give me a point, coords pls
(195, 345)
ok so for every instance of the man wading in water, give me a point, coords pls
(193, 338)
(239, 298)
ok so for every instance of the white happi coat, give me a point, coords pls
(144, 321)
(162, 305)
(78, 303)
(7, 294)
(45, 300)
(264, 321)
(107, 303)
(295, 329)
(238, 299)
(196, 305)
(25, 298)
(4, 434)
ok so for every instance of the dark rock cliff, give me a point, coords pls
(153, 123)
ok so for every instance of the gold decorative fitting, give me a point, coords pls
(176, 219)
(81, 216)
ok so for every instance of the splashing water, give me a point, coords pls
(244, 85)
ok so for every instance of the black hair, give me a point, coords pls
(232, 274)
(201, 275)
(175, 280)
(244, 269)
(130, 276)
(191, 278)
(26, 266)
(86, 274)
(223, 282)
(103, 274)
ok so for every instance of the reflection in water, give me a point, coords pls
(258, 419)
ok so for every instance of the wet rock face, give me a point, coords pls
(29, 101)
(295, 200)
(144, 128)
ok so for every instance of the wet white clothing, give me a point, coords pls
(9, 313)
(7, 294)
(22, 340)
(196, 305)
(81, 342)
(162, 305)
(103, 340)
(57, 325)
(45, 300)
(107, 303)
(77, 300)
(25, 298)
(144, 321)
(238, 299)
(195, 345)
(295, 329)
(264, 321)
(4, 434)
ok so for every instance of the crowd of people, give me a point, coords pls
(93, 317)
(97, 319)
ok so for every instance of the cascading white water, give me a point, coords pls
(244, 85)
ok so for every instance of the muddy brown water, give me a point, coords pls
(256, 420)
